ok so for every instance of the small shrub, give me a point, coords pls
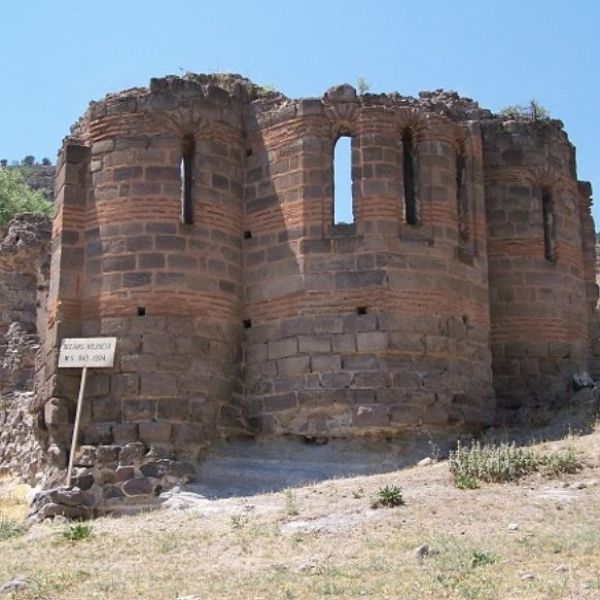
(389, 496)
(532, 111)
(490, 463)
(291, 508)
(358, 493)
(480, 558)
(463, 481)
(10, 528)
(362, 85)
(559, 462)
(77, 532)
(239, 521)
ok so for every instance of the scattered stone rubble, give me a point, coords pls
(111, 479)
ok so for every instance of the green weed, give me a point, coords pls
(77, 532)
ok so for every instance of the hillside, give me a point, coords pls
(535, 538)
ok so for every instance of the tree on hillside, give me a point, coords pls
(28, 161)
(17, 197)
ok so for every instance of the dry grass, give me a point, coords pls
(324, 541)
(13, 499)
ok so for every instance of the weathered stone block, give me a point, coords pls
(359, 362)
(281, 348)
(344, 342)
(155, 433)
(407, 342)
(124, 473)
(359, 279)
(372, 341)
(173, 409)
(336, 380)
(280, 402)
(297, 326)
(139, 409)
(106, 409)
(325, 362)
(372, 379)
(315, 344)
(359, 323)
(107, 454)
(324, 324)
(112, 492)
(124, 433)
(158, 384)
(293, 364)
(370, 415)
(188, 435)
(132, 453)
(140, 486)
(407, 413)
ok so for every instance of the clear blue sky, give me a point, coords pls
(57, 55)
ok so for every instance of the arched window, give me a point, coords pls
(462, 201)
(411, 216)
(342, 181)
(549, 224)
(187, 180)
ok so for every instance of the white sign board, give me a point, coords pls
(87, 352)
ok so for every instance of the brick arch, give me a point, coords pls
(415, 120)
(186, 123)
(343, 120)
(545, 177)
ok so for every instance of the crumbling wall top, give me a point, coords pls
(223, 90)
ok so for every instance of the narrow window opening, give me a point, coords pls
(249, 152)
(549, 224)
(247, 235)
(247, 323)
(187, 181)
(462, 205)
(141, 311)
(361, 310)
(342, 181)
(411, 216)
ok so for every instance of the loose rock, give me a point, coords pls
(14, 585)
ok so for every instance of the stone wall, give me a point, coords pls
(256, 314)
(24, 245)
(24, 253)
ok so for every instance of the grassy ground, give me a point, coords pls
(538, 538)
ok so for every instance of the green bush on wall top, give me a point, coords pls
(17, 197)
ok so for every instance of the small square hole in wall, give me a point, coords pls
(361, 310)
(247, 323)
(247, 235)
(141, 311)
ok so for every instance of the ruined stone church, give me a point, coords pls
(195, 222)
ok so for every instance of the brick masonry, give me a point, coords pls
(263, 316)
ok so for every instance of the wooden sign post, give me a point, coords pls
(84, 353)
